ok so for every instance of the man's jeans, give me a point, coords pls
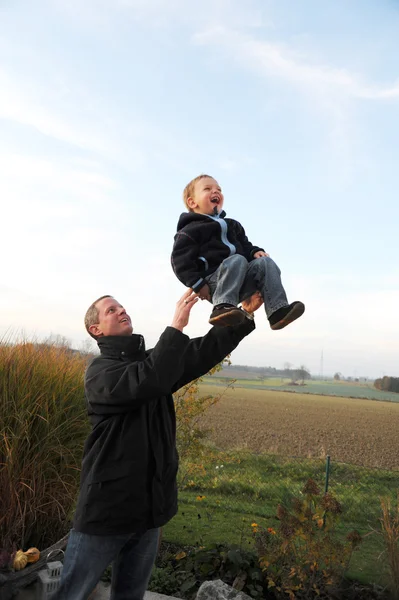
(87, 556)
(236, 279)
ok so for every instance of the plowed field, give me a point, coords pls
(362, 432)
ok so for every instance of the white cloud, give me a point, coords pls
(22, 103)
(21, 172)
(165, 13)
(330, 92)
(227, 164)
(280, 60)
(54, 216)
(78, 121)
(230, 24)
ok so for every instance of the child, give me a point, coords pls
(213, 256)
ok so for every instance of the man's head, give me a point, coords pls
(107, 317)
(202, 195)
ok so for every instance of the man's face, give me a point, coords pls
(112, 319)
(206, 197)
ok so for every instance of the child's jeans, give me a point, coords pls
(87, 556)
(236, 279)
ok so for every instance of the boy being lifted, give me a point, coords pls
(213, 256)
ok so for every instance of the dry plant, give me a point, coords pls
(390, 534)
(42, 430)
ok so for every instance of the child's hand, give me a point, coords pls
(252, 303)
(205, 293)
(260, 253)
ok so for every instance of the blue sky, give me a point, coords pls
(109, 107)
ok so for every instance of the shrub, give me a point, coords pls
(303, 557)
(390, 534)
(42, 431)
(166, 580)
(182, 574)
(191, 437)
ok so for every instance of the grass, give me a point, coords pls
(222, 505)
(343, 389)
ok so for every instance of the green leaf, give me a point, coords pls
(187, 585)
(234, 556)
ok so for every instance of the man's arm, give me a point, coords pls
(116, 386)
(203, 353)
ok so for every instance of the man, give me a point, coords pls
(128, 480)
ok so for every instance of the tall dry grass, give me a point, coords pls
(43, 426)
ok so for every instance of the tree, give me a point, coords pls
(57, 340)
(337, 376)
(87, 347)
(387, 384)
(287, 369)
(303, 373)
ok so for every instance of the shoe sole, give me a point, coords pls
(235, 317)
(294, 314)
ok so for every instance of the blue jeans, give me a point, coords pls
(87, 556)
(236, 279)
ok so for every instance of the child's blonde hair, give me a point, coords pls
(189, 189)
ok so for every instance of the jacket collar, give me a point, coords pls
(131, 346)
(189, 217)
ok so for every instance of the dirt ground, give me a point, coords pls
(362, 432)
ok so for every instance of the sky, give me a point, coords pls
(108, 108)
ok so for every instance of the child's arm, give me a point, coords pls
(186, 263)
(251, 251)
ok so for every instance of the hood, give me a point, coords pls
(189, 217)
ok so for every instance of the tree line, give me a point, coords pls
(294, 374)
(387, 384)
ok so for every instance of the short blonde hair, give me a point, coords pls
(189, 189)
(92, 317)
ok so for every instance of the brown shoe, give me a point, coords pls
(226, 315)
(286, 315)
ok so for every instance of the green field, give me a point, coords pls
(342, 389)
(221, 506)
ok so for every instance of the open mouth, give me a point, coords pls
(125, 320)
(215, 200)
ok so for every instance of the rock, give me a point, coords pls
(217, 590)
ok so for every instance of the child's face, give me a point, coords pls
(206, 197)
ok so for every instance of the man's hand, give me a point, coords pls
(205, 293)
(252, 303)
(260, 253)
(183, 308)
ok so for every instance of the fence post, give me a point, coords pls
(326, 484)
(327, 473)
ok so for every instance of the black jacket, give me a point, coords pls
(128, 478)
(202, 242)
